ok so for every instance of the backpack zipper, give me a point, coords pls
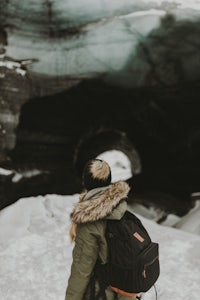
(148, 264)
(151, 262)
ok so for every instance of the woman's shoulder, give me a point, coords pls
(92, 228)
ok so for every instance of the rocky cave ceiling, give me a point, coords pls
(141, 54)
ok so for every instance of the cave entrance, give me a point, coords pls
(112, 145)
(119, 163)
(58, 134)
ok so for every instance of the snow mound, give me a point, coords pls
(35, 252)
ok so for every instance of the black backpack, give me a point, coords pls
(133, 264)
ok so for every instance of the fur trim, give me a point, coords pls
(100, 205)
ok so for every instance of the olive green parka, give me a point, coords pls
(90, 215)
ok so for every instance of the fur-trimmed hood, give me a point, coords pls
(96, 205)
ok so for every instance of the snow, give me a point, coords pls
(13, 65)
(25, 174)
(36, 252)
(119, 164)
(18, 176)
(5, 172)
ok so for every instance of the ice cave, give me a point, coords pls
(78, 78)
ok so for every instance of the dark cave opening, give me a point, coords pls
(57, 134)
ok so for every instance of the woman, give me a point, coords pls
(101, 201)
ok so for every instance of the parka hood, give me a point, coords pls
(99, 203)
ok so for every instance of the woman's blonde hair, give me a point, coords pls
(72, 232)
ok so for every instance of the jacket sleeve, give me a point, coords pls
(85, 254)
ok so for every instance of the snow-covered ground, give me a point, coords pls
(35, 251)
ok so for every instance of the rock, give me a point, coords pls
(48, 49)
